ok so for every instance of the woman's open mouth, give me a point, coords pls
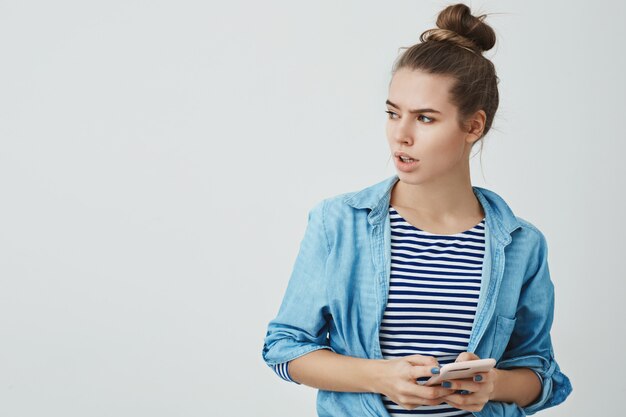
(406, 164)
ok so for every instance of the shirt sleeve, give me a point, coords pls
(530, 345)
(302, 323)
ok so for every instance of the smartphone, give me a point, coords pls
(459, 370)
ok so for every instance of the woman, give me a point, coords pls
(423, 269)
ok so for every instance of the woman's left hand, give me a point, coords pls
(479, 392)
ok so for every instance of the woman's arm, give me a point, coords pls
(327, 370)
(519, 385)
(349, 374)
(394, 378)
(530, 344)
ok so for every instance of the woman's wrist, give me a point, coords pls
(330, 371)
(376, 375)
(518, 385)
(495, 394)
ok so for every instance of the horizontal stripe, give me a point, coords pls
(439, 411)
(432, 272)
(434, 280)
(432, 301)
(434, 294)
(406, 351)
(400, 343)
(459, 318)
(433, 248)
(408, 281)
(429, 310)
(462, 260)
(425, 324)
(425, 333)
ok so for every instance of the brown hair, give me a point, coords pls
(455, 48)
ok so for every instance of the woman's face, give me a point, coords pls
(423, 124)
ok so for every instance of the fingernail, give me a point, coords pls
(435, 370)
(478, 378)
(446, 384)
(464, 392)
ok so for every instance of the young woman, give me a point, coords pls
(423, 269)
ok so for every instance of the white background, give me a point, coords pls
(158, 159)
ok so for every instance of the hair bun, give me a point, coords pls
(456, 24)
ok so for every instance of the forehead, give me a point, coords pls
(411, 89)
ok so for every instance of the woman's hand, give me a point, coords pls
(398, 381)
(479, 389)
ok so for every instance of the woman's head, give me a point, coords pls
(447, 73)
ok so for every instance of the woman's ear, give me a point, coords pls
(476, 126)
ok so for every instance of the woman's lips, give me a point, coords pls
(406, 166)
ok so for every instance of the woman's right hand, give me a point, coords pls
(398, 381)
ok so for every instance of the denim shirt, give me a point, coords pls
(337, 294)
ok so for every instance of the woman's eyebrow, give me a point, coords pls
(428, 110)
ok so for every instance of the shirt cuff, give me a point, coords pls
(282, 370)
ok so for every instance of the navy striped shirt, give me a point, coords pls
(433, 295)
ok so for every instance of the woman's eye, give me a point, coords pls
(390, 113)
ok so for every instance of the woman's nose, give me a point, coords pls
(402, 134)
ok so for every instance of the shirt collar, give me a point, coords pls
(376, 198)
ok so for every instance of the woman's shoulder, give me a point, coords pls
(531, 238)
(344, 211)
(365, 196)
(336, 207)
(517, 225)
(531, 227)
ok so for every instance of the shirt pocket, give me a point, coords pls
(504, 329)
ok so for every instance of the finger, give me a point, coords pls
(481, 377)
(466, 356)
(464, 404)
(463, 400)
(463, 384)
(423, 371)
(451, 402)
(434, 392)
(421, 360)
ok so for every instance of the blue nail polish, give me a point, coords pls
(478, 378)
(464, 392)
(446, 384)
(435, 370)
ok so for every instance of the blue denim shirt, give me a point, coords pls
(337, 294)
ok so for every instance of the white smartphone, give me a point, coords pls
(459, 370)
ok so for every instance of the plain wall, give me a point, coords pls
(158, 159)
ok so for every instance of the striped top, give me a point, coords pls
(433, 295)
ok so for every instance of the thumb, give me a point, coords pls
(467, 356)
